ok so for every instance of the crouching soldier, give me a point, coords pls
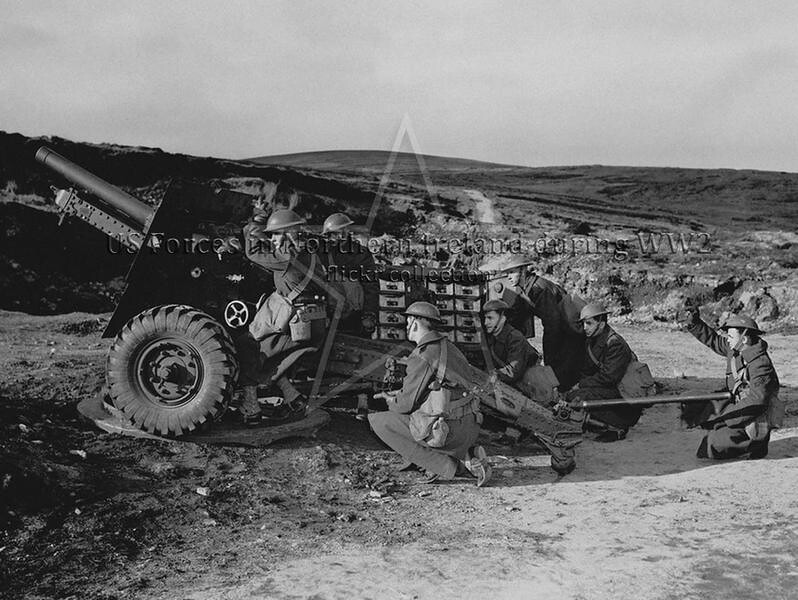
(608, 357)
(743, 423)
(433, 421)
(510, 351)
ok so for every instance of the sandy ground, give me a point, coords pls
(641, 518)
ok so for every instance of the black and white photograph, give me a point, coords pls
(398, 300)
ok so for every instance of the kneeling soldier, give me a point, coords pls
(433, 421)
(742, 424)
(608, 357)
(510, 351)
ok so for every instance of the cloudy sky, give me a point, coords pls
(694, 84)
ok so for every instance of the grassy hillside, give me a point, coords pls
(749, 220)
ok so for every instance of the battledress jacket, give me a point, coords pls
(511, 353)
(759, 382)
(288, 266)
(419, 373)
(613, 356)
(354, 262)
(563, 338)
(520, 314)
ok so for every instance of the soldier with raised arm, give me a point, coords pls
(742, 424)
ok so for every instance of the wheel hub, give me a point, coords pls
(169, 371)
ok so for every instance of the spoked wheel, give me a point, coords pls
(171, 369)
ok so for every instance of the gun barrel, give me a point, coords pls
(121, 201)
(661, 399)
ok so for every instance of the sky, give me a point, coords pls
(690, 84)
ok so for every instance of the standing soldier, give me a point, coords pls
(608, 357)
(433, 421)
(352, 273)
(292, 318)
(510, 351)
(558, 311)
(743, 423)
(519, 307)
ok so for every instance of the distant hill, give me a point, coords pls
(374, 161)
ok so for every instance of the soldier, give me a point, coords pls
(273, 244)
(510, 351)
(352, 273)
(608, 357)
(558, 311)
(743, 424)
(433, 421)
(519, 312)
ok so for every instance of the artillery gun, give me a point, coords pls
(174, 362)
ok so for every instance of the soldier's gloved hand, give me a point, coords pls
(493, 378)
(254, 231)
(691, 311)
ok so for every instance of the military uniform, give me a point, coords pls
(520, 310)
(607, 356)
(351, 265)
(740, 424)
(563, 338)
(393, 428)
(290, 267)
(512, 354)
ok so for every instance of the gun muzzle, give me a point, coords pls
(120, 201)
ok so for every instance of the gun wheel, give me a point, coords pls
(171, 369)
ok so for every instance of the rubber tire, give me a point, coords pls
(206, 336)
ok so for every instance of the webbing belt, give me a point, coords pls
(459, 407)
(295, 293)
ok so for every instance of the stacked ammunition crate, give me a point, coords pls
(460, 305)
(393, 302)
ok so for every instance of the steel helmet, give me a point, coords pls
(283, 219)
(497, 305)
(336, 222)
(516, 263)
(424, 310)
(742, 322)
(594, 309)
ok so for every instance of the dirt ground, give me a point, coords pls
(90, 515)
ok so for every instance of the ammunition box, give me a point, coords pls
(392, 301)
(388, 317)
(467, 305)
(447, 319)
(466, 291)
(467, 321)
(445, 304)
(392, 333)
(441, 289)
(397, 287)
